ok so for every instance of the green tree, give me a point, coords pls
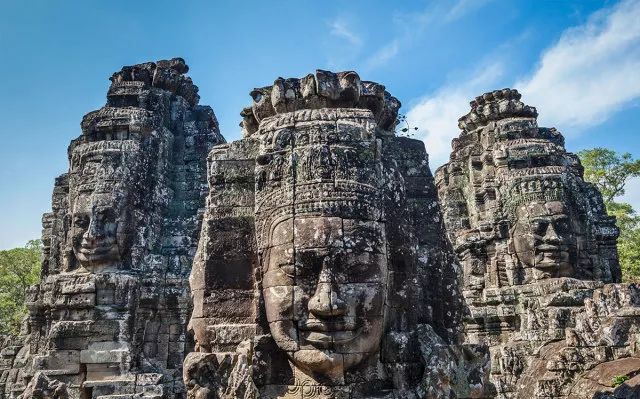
(19, 268)
(610, 172)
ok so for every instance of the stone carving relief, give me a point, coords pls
(109, 316)
(316, 262)
(537, 251)
(507, 180)
(327, 260)
(101, 229)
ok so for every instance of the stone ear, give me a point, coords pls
(66, 222)
(503, 230)
(69, 261)
(510, 246)
(125, 235)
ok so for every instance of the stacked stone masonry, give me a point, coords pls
(323, 270)
(108, 319)
(318, 257)
(538, 256)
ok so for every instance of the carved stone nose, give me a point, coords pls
(551, 235)
(93, 231)
(95, 228)
(325, 302)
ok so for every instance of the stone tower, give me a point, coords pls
(322, 269)
(109, 316)
(503, 171)
(324, 265)
(537, 251)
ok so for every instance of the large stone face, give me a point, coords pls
(538, 253)
(322, 269)
(109, 316)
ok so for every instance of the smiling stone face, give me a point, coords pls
(544, 237)
(97, 230)
(324, 287)
(102, 194)
(323, 245)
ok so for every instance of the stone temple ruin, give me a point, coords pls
(318, 257)
(322, 269)
(110, 313)
(538, 257)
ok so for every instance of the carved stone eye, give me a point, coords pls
(81, 221)
(540, 227)
(263, 160)
(289, 270)
(562, 226)
(107, 215)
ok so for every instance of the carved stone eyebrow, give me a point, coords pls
(540, 219)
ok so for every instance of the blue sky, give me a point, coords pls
(578, 61)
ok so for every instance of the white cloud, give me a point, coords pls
(383, 55)
(339, 28)
(439, 12)
(591, 72)
(463, 7)
(436, 115)
(410, 27)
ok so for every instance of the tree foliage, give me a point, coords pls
(403, 128)
(19, 268)
(610, 172)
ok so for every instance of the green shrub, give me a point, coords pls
(619, 380)
(19, 268)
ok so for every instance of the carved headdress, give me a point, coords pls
(535, 188)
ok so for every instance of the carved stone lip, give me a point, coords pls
(100, 248)
(332, 326)
(326, 339)
(346, 336)
(551, 256)
(551, 248)
(552, 251)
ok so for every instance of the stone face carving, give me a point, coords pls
(335, 297)
(322, 243)
(544, 237)
(515, 204)
(537, 249)
(322, 270)
(109, 316)
(101, 227)
(95, 235)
